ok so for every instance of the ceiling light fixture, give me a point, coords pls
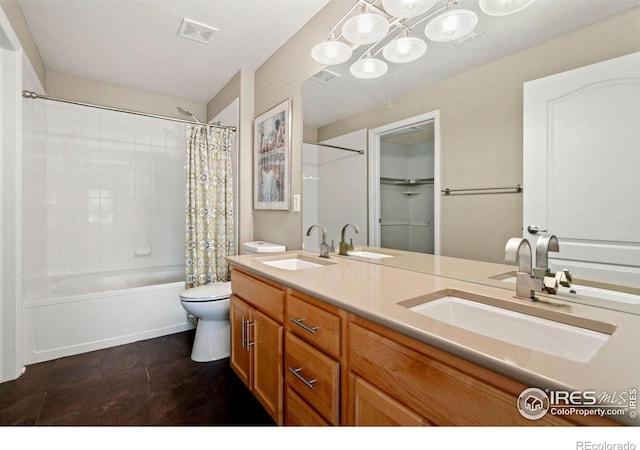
(451, 25)
(365, 28)
(368, 68)
(331, 52)
(386, 29)
(404, 49)
(407, 8)
(503, 7)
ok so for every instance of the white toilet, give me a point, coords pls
(210, 305)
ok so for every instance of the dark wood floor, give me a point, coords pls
(152, 382)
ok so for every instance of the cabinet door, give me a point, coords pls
(266, 345)
(240, 313)
(372, 407)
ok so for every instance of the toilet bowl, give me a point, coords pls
(210, 305)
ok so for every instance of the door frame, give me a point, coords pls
(10, 202)
(374, 175)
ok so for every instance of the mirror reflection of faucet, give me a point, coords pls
(344, 247)
(530, 279)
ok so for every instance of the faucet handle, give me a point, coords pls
(564, 277)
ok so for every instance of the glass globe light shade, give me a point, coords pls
(331, 52)
(451, 25)
(503, 7)
(407, 8)
(368, 68)
(404, 49)
(365, 28)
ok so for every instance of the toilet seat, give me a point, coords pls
(207, 292)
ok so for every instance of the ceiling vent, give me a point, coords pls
(324, 76)
(468, 37)
(196, 31)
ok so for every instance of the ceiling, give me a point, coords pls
(498, 37)
(135, 43)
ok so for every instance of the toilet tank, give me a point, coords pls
(262, 247)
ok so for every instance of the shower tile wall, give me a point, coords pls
(115, 190)
(34, 180)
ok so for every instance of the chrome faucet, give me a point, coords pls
(344, 247)
(546, 243)
(519, 250)
(550, 281)
(324, 248)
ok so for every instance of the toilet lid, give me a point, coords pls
(207, 292)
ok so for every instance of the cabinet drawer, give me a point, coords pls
(266, 297)
(314, 376)
(435, 390)
(314, 325)
(297, 412)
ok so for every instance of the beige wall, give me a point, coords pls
(279, 78)
(241, 86)
(18, 23)
(481, 130)
(89, 91)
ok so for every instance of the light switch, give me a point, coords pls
(296, 202)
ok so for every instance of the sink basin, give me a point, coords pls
(295, 263)
(574, 341)
(370, 255)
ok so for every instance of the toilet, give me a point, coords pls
(210, 305)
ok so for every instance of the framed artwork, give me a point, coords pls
(272, 158)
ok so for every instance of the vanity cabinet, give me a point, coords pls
(256, 314)
(312, 361)
(406, 382)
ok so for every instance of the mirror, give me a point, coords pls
(333, 95)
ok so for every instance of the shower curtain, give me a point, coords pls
(209, 210)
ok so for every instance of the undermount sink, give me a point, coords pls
(295, 262)
(370, 255)
(579, 341)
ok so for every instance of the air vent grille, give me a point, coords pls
(196, 31)
(325, 76)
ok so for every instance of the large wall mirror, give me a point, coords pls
(334, 102)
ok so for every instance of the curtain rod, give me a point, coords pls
(334, 146)
(31, 94)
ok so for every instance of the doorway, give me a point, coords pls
(403, 185)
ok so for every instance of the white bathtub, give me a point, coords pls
(68, 315)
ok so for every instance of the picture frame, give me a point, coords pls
(272, 158)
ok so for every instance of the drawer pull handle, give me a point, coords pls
(298, 322)
(308, 383)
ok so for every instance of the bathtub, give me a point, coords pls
(67, 315)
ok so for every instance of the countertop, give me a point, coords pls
(374, 291)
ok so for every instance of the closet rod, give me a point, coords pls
(31, 94)
(500, 190)
(334, 146)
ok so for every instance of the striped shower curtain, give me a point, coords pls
(209, 210)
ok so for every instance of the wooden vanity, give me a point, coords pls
(310, 362)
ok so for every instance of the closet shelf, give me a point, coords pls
(406, 181)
